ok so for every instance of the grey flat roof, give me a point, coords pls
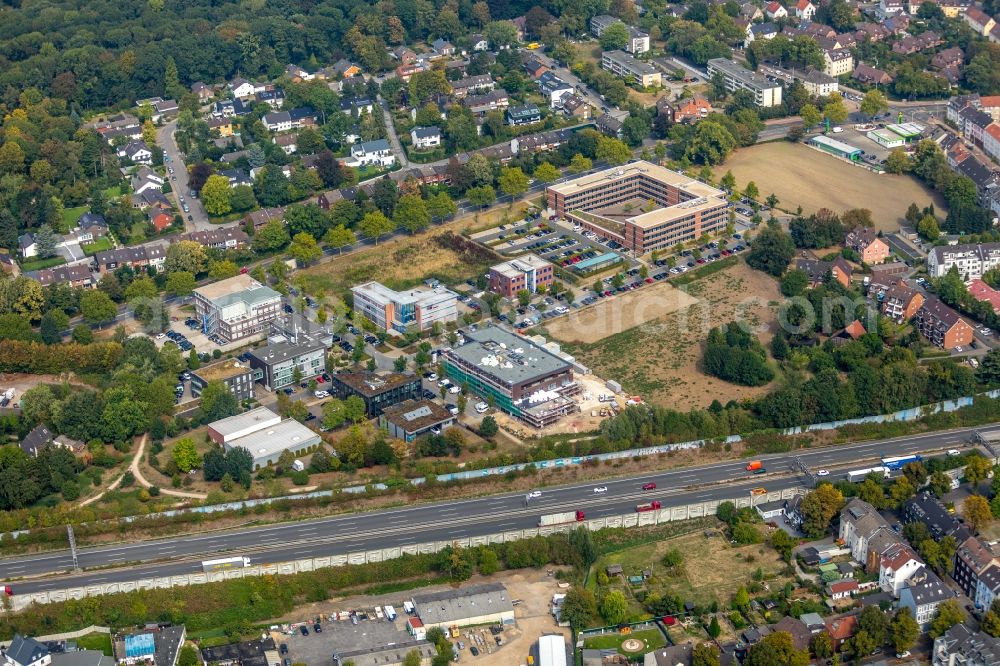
(242, 421)
(289, 434)
(281, 350)
(466, 602)
(512, 359)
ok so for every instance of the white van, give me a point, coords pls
(455, 389)
(481, 407)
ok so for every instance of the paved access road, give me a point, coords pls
(439, 521)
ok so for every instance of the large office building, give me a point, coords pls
(737, 77)
(275, 365)
(379, 391)
(236, 308)
(239, 377)
(626, 66)
(264, 434)
(526, 273)
(399, 311)
(521, 378)
(612, 203)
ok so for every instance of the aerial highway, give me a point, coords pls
(421, 523)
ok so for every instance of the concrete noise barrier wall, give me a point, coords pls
(645, 519)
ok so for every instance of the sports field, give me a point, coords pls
(801, 176)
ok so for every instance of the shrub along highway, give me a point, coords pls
(441, 521)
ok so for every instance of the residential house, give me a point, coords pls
(159, 218)
(144, 179)
(237, 177)
(922, 594)
(297, 74)
(443, 47)
(991, 141)
(228, 238)
(910, 44)
(901, 303)
(139, 256)
(275, 97)
(203, 92)
(757, 31)
(480, 105)
(285, 121)
(896, 566)
(987, 586)
(541, 141)
(346, 69)
(519, 23)
(242, 88)
(972, 559)
(25, 651)
(963, 646)
(841, 629)
(164, 109)
(89, 228)
(229, 108)
(149, 197)
(555, 89)
(375, 152)
(404, 54)
(137, 152)
(691, 109)
(867, 243)
(929, 510)
(525, 114)
(842, 589)
(949, 60)
(424, 138)
(941, 325)
(805, 10)
(751, 12)
(404, 72)
(287, 143)
(775, 10)
(871, 75)
(36, 440)
(985, 176)
(259, 219)
(575, 106)
(469, 85)
(860, 525)
(223, 126)
(478, 42)
(610, 125)
(887, 8)
(534, 67)
(838, 62)
(981, 291)
(980, 22)
(817, 271)
(970, 260)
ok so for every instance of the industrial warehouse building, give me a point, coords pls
(606, 203)
(523, 379)
(488, 603)
(262, 432)
(236, 308)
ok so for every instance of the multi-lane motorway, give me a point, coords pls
(442, 521)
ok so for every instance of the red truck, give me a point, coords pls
(558, 518)
(648, 506)
(754, 466)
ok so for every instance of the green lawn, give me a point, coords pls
(100, 245)
(652, 637)
(96, 641)
(71, 215)
(113, 192)
(39, 264)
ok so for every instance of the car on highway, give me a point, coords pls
(954, 452)
(823, 472)
(534, 494)
(649, 486)
(601, 489)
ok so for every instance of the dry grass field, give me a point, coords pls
(620, 313)
(801, 176)
(659, 359)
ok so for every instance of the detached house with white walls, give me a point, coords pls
(424, 138)
(375, 152)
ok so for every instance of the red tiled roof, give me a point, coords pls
(984, 292)
(844, 586)
(841, 628)
(993, 130)
(802, 4)
(855, 329)
(990, 100)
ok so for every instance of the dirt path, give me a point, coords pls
(134, 468)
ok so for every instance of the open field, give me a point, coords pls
(398, 264)
(712, 568)
(620, 313)
(658, 360)
(801, 176)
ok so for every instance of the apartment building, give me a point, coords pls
(897, 565)
(867, 243)
(737, 77)
(285, 361)
(970, 260)
(625, 65)
(922, 594)
(838, 62)
(526, 273)
(901, 303)
(526, 381)
(236, 308)
(398, 311)
(941, 325)
(972, 559)
(962, 646)
(638, 41)
(285, 121)
(611, 204)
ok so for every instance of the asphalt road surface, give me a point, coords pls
(440, 521)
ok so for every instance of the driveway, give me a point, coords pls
(390, 129)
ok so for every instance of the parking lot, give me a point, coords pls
(344, 637)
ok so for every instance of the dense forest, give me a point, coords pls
(105, 53)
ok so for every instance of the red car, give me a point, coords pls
(649, 280)
(649, 486)
(607, 293)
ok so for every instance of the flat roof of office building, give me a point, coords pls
(516, 267)
(222, 370)
(288, 434)
(242, 288)
(371, 384)
(512, 359)
(281, 348)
